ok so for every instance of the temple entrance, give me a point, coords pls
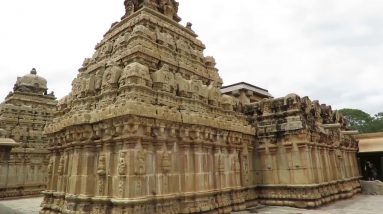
(376, 159)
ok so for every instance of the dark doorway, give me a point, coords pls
(376, 158)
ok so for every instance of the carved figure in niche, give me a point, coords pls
(221, 163)
(101, 186)
(135, 74)
(183, 86)
(60, 169)
(50, 166)
(111, 76)
(163, 79)
(165, 162)
(138, 187)
(140, 166)
(122, 166)
(246, 168)
(101, 170)
(141, 30)
(236, 165)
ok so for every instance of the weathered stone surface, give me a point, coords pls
(23, 116)
(303, 155)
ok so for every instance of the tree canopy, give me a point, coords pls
(362, 121)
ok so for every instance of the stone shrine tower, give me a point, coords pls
(23, 116)
(146, 128)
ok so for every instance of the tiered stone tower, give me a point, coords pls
(146, 129)
(23, 116)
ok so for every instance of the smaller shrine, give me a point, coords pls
(246, 93)
(24, 155)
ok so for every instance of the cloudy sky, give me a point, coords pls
(329, 50)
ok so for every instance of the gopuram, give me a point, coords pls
(23, 116)
(146, 130)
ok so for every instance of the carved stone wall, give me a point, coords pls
(23, 116)
(146, 129)
(304, 155)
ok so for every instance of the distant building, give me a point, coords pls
(246, 93)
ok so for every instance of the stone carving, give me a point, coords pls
(140, 163)
(101, 169)
(50, 166)
(122, 166)
(166, 39)
(111, 76)
(135, 74)
(165, 162)
(130, 7)
(60, 168)
(141, 30)
(163, 79)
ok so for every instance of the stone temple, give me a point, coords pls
(23, 116)
(147, 130)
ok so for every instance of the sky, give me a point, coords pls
(328, 50)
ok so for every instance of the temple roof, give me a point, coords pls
(32, 80)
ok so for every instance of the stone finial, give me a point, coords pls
(167, 7)
(189, 25)
(33, 71)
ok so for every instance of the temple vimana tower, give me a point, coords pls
(23, 116)
(146, 130)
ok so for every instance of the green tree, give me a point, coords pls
(362, 121)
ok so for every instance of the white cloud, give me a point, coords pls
(328, 50)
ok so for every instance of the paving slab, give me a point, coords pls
(21, 206)
(361, 204)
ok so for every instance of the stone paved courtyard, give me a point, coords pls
(360, 204)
